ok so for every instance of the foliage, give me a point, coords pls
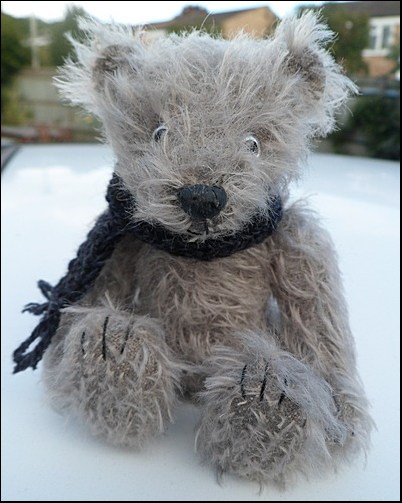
(194, 17)
(210, 27)
(15, 33)
(352, 31)
(13, 54)
(16, 112)
(60, 47)
(395, 56)
(377, 119)
(352, 36)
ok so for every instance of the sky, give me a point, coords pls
(136, 12)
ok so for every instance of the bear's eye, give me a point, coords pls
(252, 145)
(159, 133)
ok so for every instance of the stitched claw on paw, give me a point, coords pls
(116, 373)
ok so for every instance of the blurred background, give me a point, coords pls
(33, 44)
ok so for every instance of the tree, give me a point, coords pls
(14, 55)
(381, 137)
(352, 31)
(352, 36)
(60, 47)
(395, 56)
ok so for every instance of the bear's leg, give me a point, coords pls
(265, 415)
(113, 371)
(314, 325)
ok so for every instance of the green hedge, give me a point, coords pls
(375, 124)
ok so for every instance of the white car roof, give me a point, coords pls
(50, 197)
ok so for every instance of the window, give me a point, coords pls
(386, 37)
(382, 35)
(373, 37)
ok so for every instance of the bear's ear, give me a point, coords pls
(107, 51)
(320, 82)
(303, 40)
(113, 59)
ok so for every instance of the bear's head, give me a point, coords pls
(207, 132)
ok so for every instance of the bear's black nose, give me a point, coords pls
(202, 201)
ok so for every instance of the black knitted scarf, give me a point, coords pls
(98, 247)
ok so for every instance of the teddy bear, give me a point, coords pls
(202, 280)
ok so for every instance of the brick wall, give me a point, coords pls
(257, 22)
(378, 66)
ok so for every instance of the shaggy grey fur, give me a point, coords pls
(260, 339)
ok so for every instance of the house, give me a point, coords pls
(258, 22)
(384, 20)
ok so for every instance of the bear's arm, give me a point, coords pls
(306, 284)
(117, 278)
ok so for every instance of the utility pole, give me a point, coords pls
(33, 28)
